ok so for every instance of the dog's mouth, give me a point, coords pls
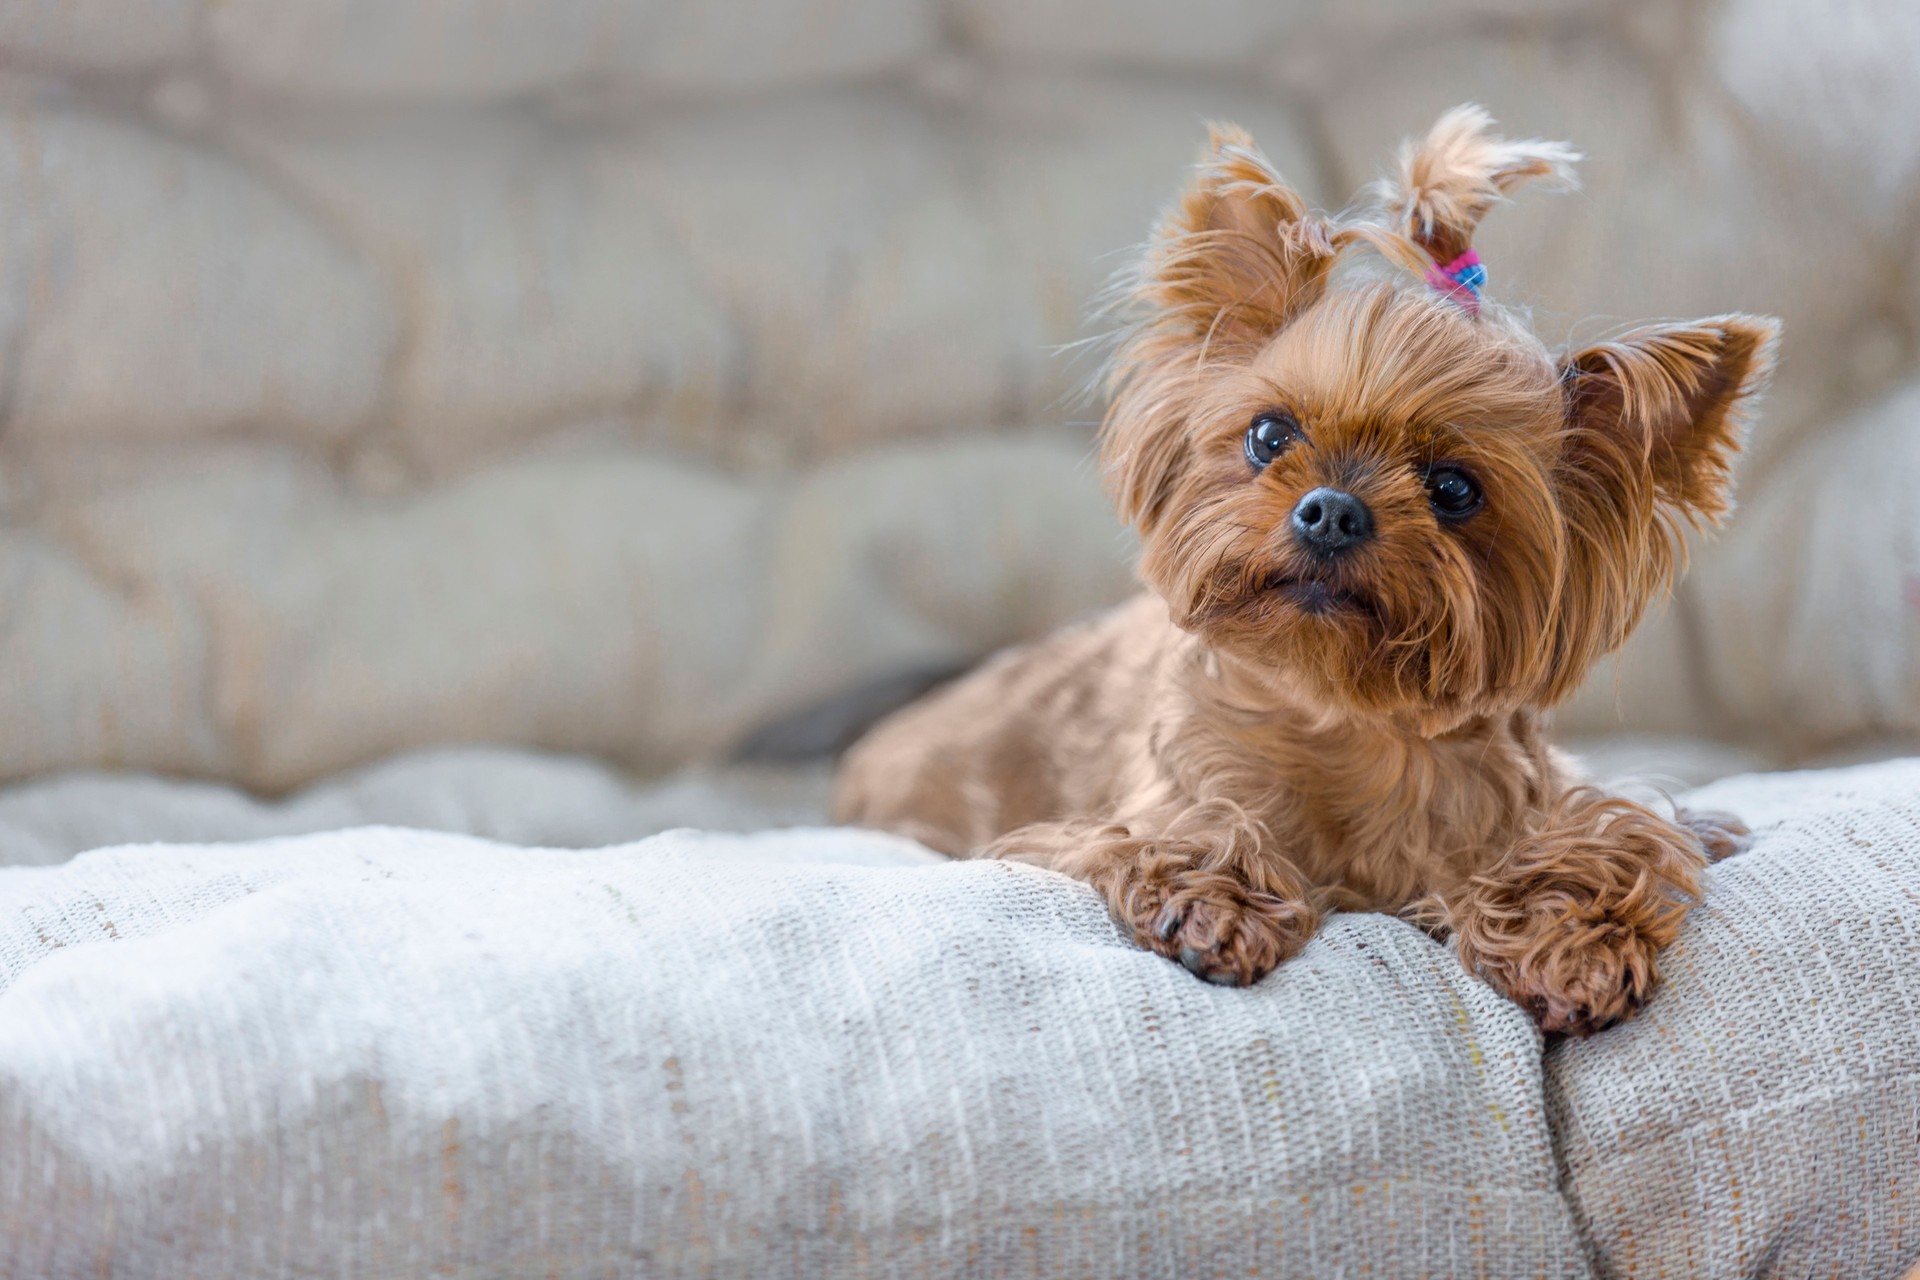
(1242, 598)
(1312, 596)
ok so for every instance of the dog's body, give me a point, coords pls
(1125, 753)
(1128, 718)
(1383, 531)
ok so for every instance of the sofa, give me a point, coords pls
(442, 436)
(383, 1051)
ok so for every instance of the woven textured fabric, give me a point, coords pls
(1762, 1117)
(498, 793)
(387, 1053)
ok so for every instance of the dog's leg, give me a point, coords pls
(1200, 890)
(1721, 835)
(1569, 922)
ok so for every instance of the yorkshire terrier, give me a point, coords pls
(1385, 528)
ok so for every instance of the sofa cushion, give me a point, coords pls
(1758, 1119)
(382, 1051)
(823, 1052)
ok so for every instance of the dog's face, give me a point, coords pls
(1370, 500)
(1410, 507)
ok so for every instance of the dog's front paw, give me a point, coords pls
(1595, 976)
(1223, 931)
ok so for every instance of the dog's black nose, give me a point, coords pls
(1331, 521)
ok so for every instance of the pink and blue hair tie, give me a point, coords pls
(1462, 280)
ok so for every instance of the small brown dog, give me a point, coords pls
(1384, 529)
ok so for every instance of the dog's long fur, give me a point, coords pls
(1272, 733)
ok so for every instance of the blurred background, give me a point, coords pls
(492, 414)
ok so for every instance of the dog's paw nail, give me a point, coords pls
(1223, 978)
(1168, 924)
(1195, 961)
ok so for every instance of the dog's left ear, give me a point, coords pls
(1239, 254)
(1230, 264)
(1660, 411)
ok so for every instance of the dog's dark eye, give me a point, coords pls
(1452, 493)
(1269, 437)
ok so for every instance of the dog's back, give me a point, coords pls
(1010, 743)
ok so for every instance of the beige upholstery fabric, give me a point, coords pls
(614, 376)
(387, 1053)
(567, 802)
(1759, 1118)
(380, 1052)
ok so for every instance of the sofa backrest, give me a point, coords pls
(619, 377)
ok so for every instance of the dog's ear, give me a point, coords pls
(1445, 183)
(1653, 421)
(1232, 262)
(1658, 413)
(1238, 254)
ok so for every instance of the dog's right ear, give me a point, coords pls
(1239, 254)
(1653, 421)
(1657, 414)
(1235, 259)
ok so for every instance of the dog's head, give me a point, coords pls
(1372, 483)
